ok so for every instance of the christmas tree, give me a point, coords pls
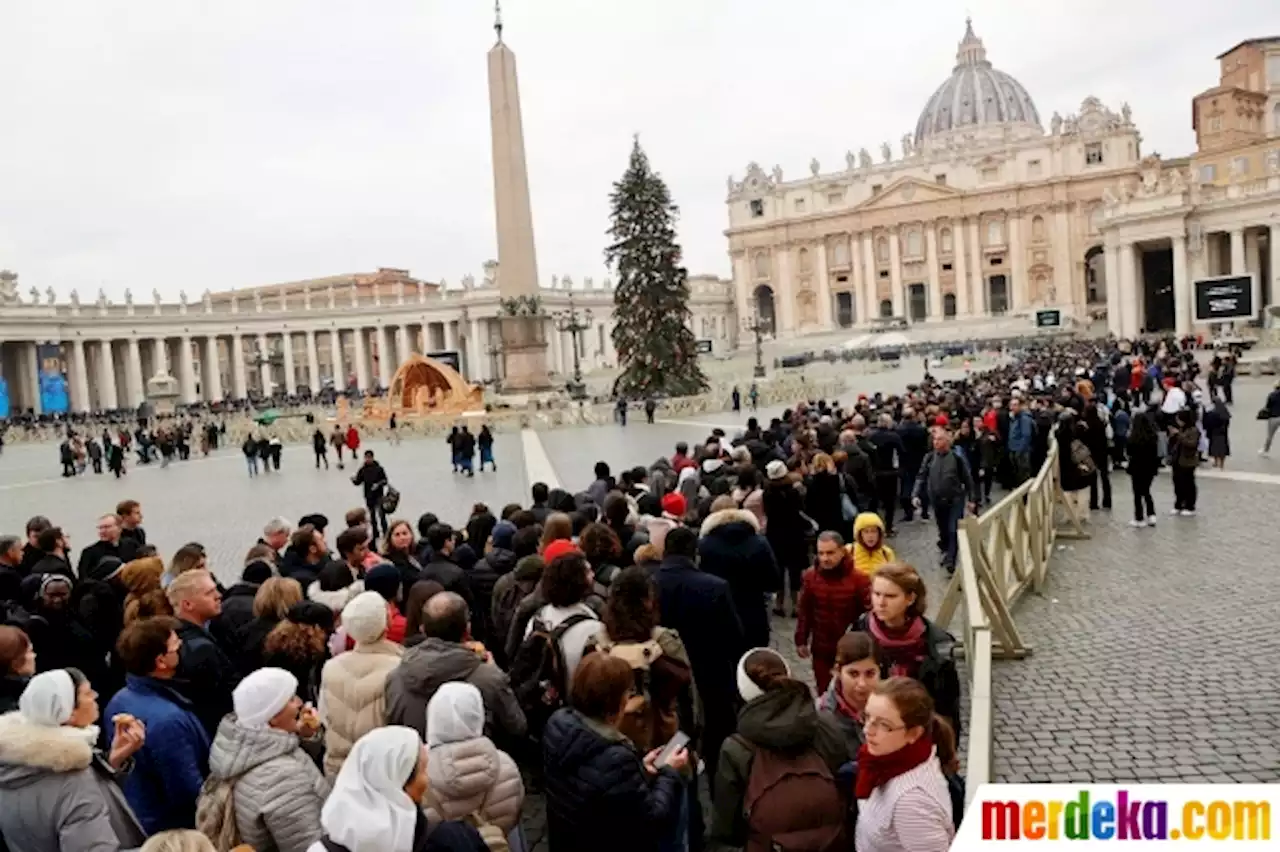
(656, 348)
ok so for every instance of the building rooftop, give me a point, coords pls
(1249, 41)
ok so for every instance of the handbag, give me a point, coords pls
(390, 500)
(1264, 413)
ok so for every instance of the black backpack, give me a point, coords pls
(539, 676)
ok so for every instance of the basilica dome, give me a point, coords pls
(976, 97)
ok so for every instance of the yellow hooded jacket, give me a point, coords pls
(866, 560)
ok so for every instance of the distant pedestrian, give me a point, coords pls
(650, 406)
(393, 433)
(339, 441)
(620, 410)
(374, 481)
(1272, 415)
(321, 447)
(250, 450)
(485, 441)
(737, 400)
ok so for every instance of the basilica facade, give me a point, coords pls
(989, 210)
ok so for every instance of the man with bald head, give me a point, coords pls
(449, 654)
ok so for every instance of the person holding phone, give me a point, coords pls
(600, 790)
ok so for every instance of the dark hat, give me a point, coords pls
(107, 567)
(503, 533)
(335, 576)
(257, 572)
(385, 580)
(317, 520)
(312, 613)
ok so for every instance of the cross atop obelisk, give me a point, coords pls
(523, 337)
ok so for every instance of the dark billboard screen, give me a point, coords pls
(1225, 298)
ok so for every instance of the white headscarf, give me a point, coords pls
(262, 695)
(49, 700)
(368, 810)
(454, 714)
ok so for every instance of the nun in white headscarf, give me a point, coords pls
(375, 799)
(466, 771)
(58, 792)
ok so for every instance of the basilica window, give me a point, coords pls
(990, 174)
(1093, 154)
(834, 199)
(1241, 165)
(757, 208)
(1037, 229)
(882, 250)
(804, 260)
(1033, 168)
(941, 180)
(995, 233)
(944, 240)
(1215, 123)
(762, 266)
(799, 205)
(913, 243)
(840, 252)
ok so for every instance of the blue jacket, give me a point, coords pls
(1022, 430)
(170, 768)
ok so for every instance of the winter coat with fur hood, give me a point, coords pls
(731, 546)
(353, 697)
(278, 790)
(59, 794)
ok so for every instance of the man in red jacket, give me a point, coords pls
(833, 594)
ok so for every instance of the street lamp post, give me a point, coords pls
(574, 323)
(758, 326)
(494, 351)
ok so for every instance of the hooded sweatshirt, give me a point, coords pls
(425, 667)
(867, 561)
(467, 772)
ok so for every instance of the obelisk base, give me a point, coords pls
(524, 354)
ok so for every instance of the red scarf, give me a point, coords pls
(903, 650)
(877, 769)
(843, 707)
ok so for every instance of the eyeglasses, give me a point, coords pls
(880, 726)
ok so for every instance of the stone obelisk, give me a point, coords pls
(524, 342)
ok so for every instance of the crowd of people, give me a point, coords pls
(397, 685)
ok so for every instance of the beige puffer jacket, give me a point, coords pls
(467, 773)
(353, 698)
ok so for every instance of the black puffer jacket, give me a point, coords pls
(237, 611)
(732, 548)
(483, 576)
(598, 794)
(450, 575)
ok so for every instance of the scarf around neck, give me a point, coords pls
(876, 770)
(902, 650)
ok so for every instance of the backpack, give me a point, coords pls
(390, 500)
(1082, 458)
(793, 804)
(652, 714)
(539, 676)
(216, 813)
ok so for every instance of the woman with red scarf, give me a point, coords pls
(907, 643)
(905, 803)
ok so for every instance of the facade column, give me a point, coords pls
(1064, 265)
(934, 308)
(239, 381)
(1128, 290)
(895, 273)
(335, 356)
(1181, 287)
(107, 376)
(264, 366)
(1018, 267)
(290, 376)
(362, 362)
(784, 294)
(187, 372)
(1237, 252)
(384, 356)
(212, 370)
(80, 376)
(960, 270)
(160, 356)
(870, 280)
(313, 363)
(823, 271)
(134, 385)
(977, 286)
(1115, 314)
(31, 376)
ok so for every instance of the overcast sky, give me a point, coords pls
(188, 144)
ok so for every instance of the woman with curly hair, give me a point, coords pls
(299, 645)
(603, 549)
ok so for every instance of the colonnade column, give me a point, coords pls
(450, 336)
(362, 362)
(160, 356)
(212, 372)
(31, 376)
(384, 356)
(1128, 290)
(1237, 252)
(290, 377)
(313, 362)
(474, 351)
(935, 272)
(335, 356)
(978, 290)
(1273, 244)
(134, 385)
(1115, 314)
(895, 273)
(107, 376)
(870, 280)
(186, 371)
(959, 268)
(80, 376)
(1181, 287)
(264, 366)
(239, 381)
(402, 344)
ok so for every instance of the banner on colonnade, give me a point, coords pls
(53, 379)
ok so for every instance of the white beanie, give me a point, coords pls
(748, 688)
(261, 695)
(775, 469)
(365, 617)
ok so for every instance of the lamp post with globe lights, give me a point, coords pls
(759, 326)
(575, 323)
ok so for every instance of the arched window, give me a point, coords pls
(944, 240)
(882, 249)
(949, 305)
(1037, 229)
(840, 252)
(762, 265)
(886, 308)
(804, 260)
(995, 233)
(913, 243)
